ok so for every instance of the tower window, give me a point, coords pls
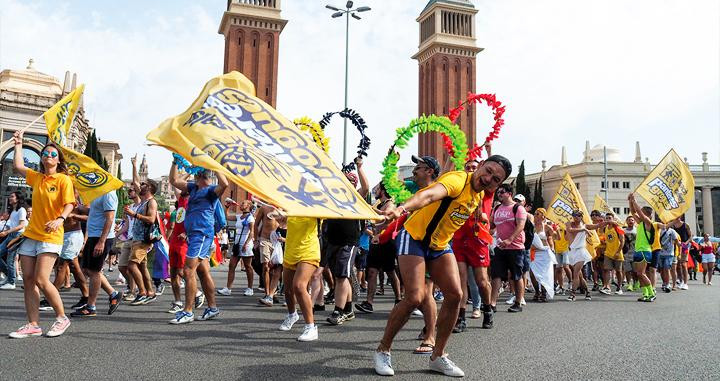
(267, 91)
(254, 42)
(268, 44)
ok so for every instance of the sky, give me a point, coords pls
(611, 72)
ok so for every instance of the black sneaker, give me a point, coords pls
(83, 312)
(45, 306)
(114, 303)
(149, 299)
(460, 326)
(160, 289)
(276, 300)
(487, 318)
(330, 297)
(335, 318)
(349, 315)
(199, 300)
(364, 307)
(515, 308)
(80, 304)
(317, 307)
(140, 299)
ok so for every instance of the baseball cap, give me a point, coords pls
(519, 197)
(429, 161)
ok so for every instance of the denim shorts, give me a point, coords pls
(31, 248)
(72, 244)
(666, 261)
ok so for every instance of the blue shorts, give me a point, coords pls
(526, 261)
(642, 256)
(655, 259)
(406, 245)
(666, 261)
(199, 247)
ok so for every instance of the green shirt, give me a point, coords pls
(642, 242)
(411, 186)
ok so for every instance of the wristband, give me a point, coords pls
(61, 217)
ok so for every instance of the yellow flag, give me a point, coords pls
(566, 200)
(89, 179)
(228, 129)
(59, 117)
(669, 188)
(601, 205)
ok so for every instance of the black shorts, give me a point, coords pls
(90, 261)
(224, 247)
(655, 260)
(507, 260)
(382, 257)
(526, 261)
(361, 259)
(340, 259)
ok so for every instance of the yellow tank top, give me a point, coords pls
(561, 244)
(612, 243)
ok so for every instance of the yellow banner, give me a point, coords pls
(89, 179)
(669, 188)
(228, 129)
(566, 200)
(59, 117)
(601, 206)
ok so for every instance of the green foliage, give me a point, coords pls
(538, 200)
(163, 205)
(521, 186)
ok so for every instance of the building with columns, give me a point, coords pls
(624, 176)
(446, 67)
(24, 96)
(252, 43)
(111, 152)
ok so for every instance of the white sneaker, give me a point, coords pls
(248, 292)
(443, 365)
(224, 291)
(417, 312)
(522, 302)
(8, 286)
(684, 286)
(619, 292)
(310, 333)
(383, 364)
(289, 321)
(510, 301)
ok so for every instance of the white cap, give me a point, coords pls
(519, 197)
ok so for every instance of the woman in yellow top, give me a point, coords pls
(53, 199)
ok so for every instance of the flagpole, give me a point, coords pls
(31, 123)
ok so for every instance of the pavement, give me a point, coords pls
(610, 337)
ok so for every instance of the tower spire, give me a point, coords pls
(563, 157)
(638, 157)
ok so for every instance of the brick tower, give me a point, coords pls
(252, 39)
(446, 60)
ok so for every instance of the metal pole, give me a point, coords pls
(347, 31)
(607, 186)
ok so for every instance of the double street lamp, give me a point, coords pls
(347, 12)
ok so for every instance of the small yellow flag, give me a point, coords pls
(59, 117)
(89, 179)
(566, 200)
(600, 205)
(669, 188)
(230, 130)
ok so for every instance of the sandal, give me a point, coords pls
(424, 349)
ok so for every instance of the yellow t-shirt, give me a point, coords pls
(561, 244)
(49, 197)
(464, 202)
(612, 243)
(302, 243)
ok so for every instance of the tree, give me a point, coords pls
(163, 205)
(538, 200)
(521, 186)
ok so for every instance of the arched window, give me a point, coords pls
(12, 181)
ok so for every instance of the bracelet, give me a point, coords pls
(61, 217)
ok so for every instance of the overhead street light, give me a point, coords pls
(348, 11)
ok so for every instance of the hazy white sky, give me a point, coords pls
(611, 72)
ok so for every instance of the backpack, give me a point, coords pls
(220, 219)
(151, 232)
(529, 229)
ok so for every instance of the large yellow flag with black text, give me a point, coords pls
(601, 205)
(228, 129)
(566, 200)
(59, 117)
(669, 188)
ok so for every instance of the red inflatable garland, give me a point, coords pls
(498, 111)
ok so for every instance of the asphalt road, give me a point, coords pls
(610, 337)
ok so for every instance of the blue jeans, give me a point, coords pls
(8, 267)
(474, 289)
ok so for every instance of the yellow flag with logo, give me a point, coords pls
(601, 205)
(669, 188)
(566, 200)
(59, 117)
(229, 130)
(89, 179)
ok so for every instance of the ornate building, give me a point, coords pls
(624, 176)
(111, 152)
(252, 37)
(25, 95)
(446, 61)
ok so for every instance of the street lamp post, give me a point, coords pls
(347, 12)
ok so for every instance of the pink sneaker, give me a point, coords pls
(58, 328)
(26, 331)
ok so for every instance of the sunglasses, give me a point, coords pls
(143, 184)
(500, 191)
(52, 154)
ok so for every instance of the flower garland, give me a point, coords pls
(359, 123)
(498, 111)
(317, 132)
(184, 165)
(396, 187)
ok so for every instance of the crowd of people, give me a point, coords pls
(462, 239)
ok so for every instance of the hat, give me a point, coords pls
(577, 213)
(429, 161)
(519, 197)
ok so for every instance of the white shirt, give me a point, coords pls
(16, 217)
(242, 228)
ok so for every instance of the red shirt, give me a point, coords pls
(179, 220)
